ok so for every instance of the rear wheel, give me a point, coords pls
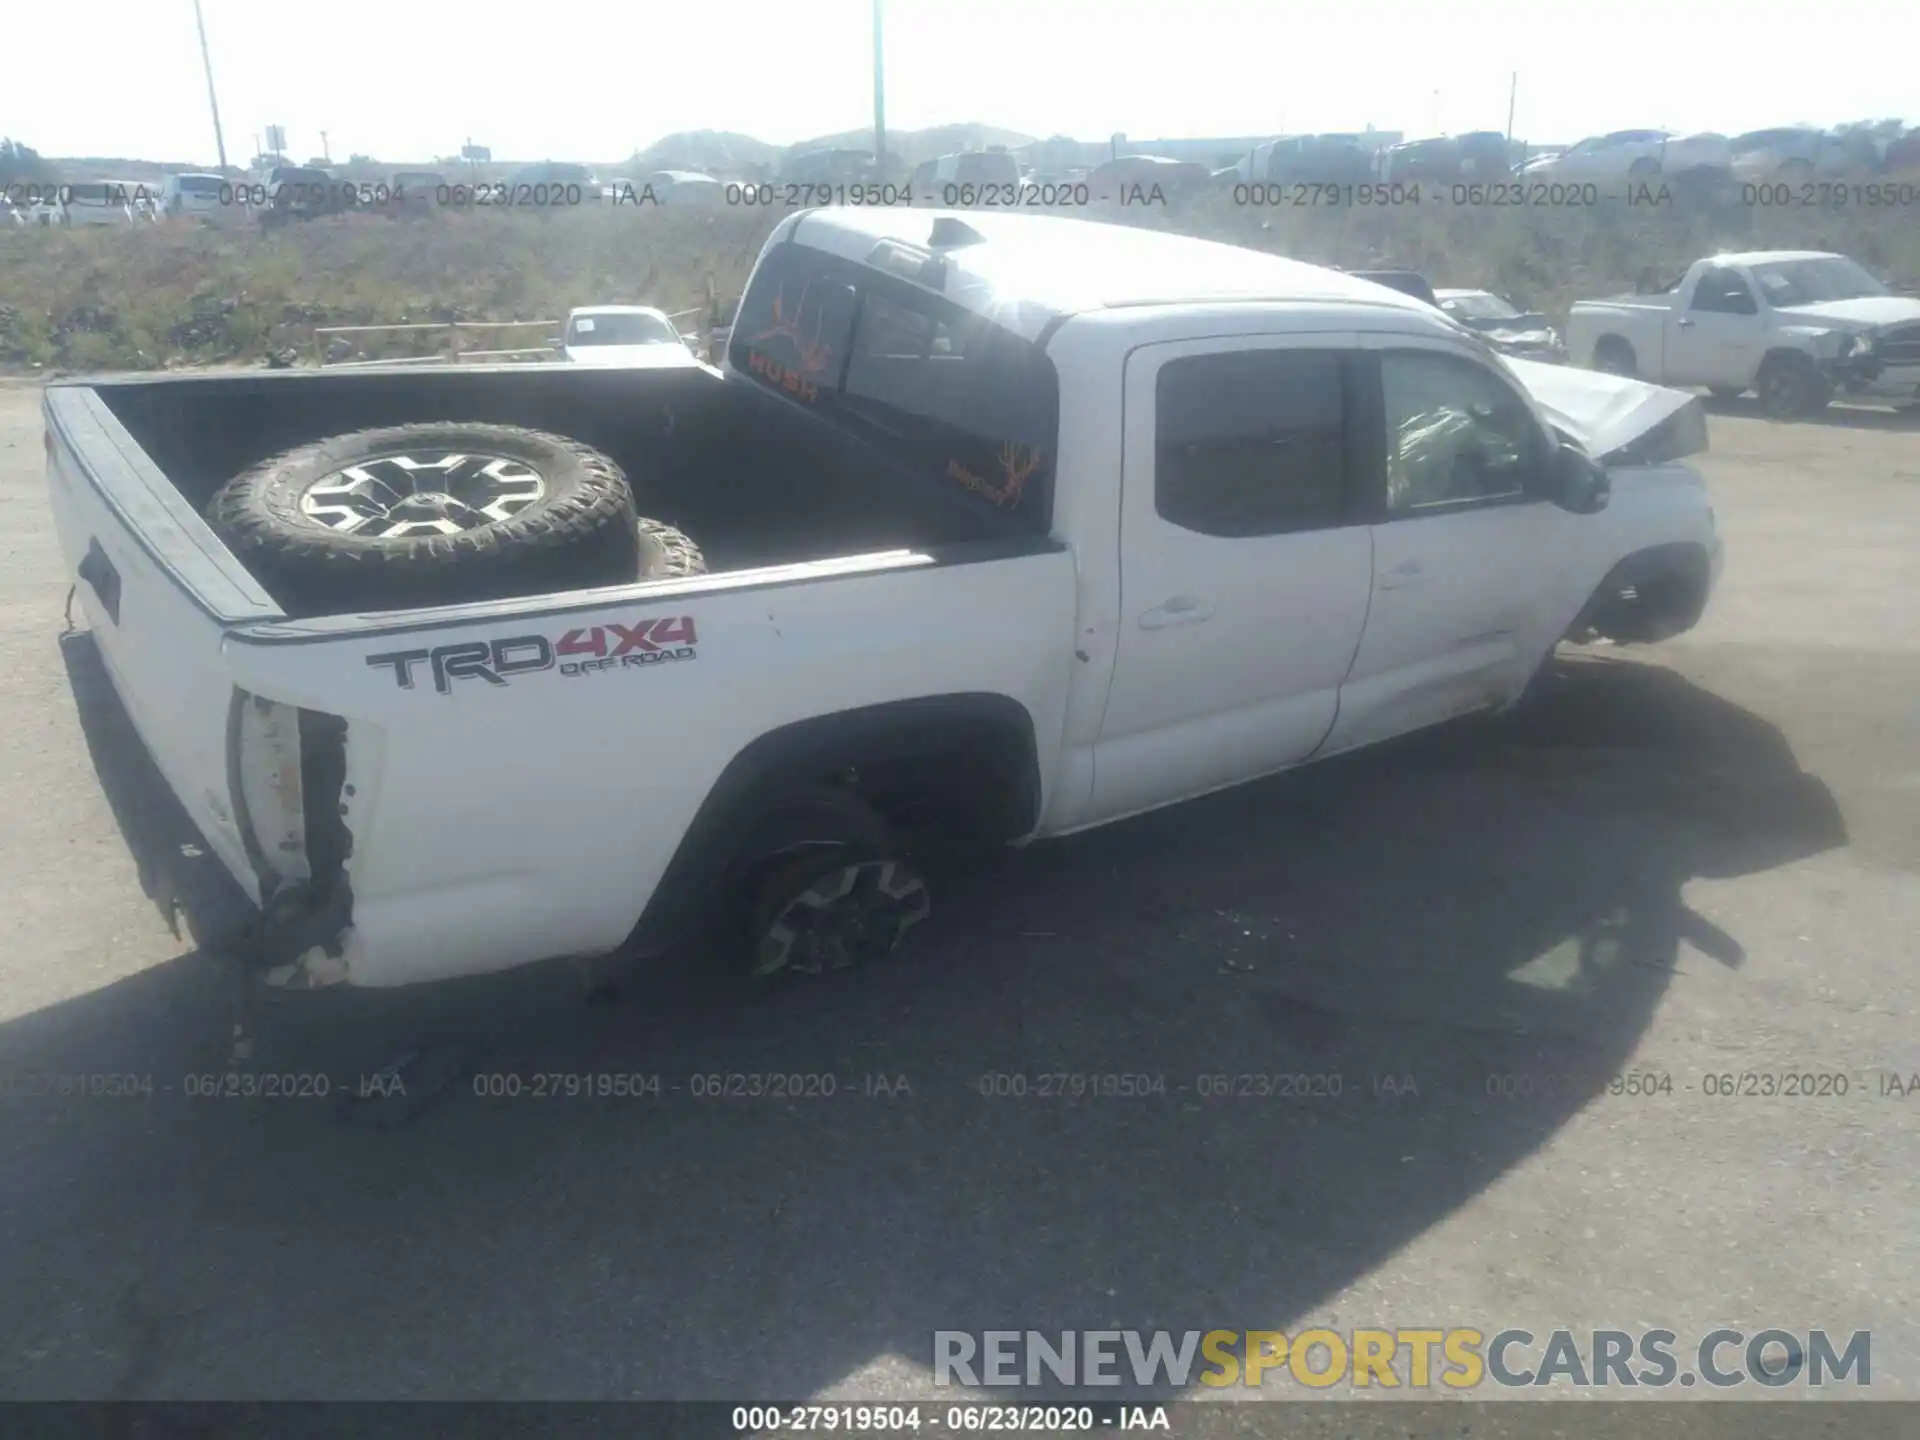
(819, 886)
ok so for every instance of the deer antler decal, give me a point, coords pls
(811, 355)
(1018, 468)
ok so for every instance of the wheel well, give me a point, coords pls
(1650, 595)
(1610, 342)
(967, 763)
(1785, 356)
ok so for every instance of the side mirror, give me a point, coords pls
(1577, 482)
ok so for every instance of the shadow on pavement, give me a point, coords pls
(1454, 942)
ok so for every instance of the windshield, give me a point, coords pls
(622, 330)
(1808, 282)
(200, 184)
(1479, 305)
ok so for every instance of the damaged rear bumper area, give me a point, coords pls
(287, 778)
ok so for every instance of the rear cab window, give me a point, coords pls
(966, 402)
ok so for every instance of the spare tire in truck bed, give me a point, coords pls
(440, 514)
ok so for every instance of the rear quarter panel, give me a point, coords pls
(178, 589)
(498, 823)
(1641, 324)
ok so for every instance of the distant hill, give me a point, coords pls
(719, 151)
(913, 146)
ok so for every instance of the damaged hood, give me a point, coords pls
(1605, 413)
(1862, 310)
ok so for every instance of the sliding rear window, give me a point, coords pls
(959, 398)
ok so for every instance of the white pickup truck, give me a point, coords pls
(1012, 526)
(1797, 326)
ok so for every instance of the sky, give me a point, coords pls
(593, 80)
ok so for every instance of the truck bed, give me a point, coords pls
(754, 480)
(357, 793)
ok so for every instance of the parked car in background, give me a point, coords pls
(991, 174)
(1485, 154)
(1798, 326)
(1479, 155)
(143, 197)
(1434, 159)
(197, 195)
(1115, 179)
(1307, 159)
(303, 192)
(550, 173)
(1636, 154)
(640, 336)
(681, 187)
(1798, 152)
(1523, 334)
(90, 203)
(417, 192)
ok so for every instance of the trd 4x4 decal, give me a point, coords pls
(582, 651)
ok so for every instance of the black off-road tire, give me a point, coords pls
(570, 526)
(667, 553)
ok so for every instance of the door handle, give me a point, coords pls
(1180, 610)
(1685, 323)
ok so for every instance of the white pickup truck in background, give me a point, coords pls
(1797, 326)
(1008, 527)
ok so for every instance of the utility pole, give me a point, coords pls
(879, 97)
(325, 153)
(213, 101)
(1513, 92)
